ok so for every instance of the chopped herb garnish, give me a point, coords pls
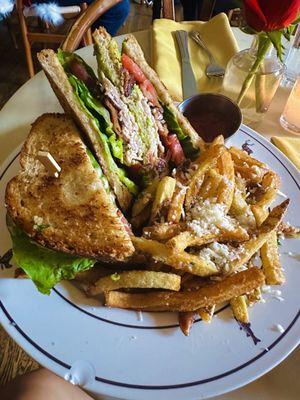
(115, 277)
(40, 227)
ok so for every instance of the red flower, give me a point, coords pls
(270, 15)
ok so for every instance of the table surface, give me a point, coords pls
(36, 97)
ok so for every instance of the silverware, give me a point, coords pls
(189, 85)
(213, 69)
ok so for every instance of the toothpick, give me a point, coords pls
(49, 163)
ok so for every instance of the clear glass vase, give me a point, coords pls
(258, 96)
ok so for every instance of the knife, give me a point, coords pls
(189, 85)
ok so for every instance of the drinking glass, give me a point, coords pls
(290, 118)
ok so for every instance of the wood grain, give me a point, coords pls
(13, 360)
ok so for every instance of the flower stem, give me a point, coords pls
(264, 44)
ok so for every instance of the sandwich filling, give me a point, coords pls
(88, 92)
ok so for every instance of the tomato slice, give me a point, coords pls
(133, 68)
(145, 85)
(174, 146)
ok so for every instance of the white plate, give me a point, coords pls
(125, 357)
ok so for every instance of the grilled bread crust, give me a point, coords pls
(132, 48)
(69, 102)
(72, 213)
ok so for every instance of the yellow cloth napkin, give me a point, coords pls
(216, 34)
(290, 146)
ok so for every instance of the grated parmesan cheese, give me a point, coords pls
(219, 254)
(209, 217)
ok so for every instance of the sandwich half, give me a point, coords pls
(62, 225)
(141, 87)
(79, 93)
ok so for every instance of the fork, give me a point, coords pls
(213, 69)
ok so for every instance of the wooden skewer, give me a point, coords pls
(49, 163)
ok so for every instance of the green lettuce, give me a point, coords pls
(131, 186)
(189, 150)
(65, 58)
(94, 109)
(43, 266)
(99, 171)
(100, 112)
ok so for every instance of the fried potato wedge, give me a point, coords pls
(264, 231)
(218, 140)
(271, 262)
(179, 260)
(269, 253)
(239, 308)
(210, 184)
(144, 199)
(176, 206)
(253, 297)
(188, 239)
(136, 279)
(163, 196)
(141, 219)
(270, 186)
(163, 231)
(205, 161)
(226, 186)
(186, 320)
(240, 156)
(232, 286)
(206, 313)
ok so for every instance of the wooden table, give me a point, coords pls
(35, 98)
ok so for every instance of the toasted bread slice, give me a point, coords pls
(68, 100)
(72, 213)
(132, 48)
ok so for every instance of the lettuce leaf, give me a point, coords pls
(65, 58)
(189, 150)
(85, 99)
(100, 112)
(45, 267)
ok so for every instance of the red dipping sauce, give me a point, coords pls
(212, 115)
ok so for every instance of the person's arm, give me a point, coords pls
(41, 385)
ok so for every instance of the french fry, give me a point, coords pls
(240, 156)
(253, 297)
(264, 232)
(176, 205)
(210, 184)
(218, 140)
(206, 313)
(271, 262)
(163, 196)
(186, 320)
(135, 279)
(141, 219)
(269, 253)
(239, 308)
(179, 260)
(145, 197)
(218, 292)
(163, 231)
(270, 184)
(205, 161)
(226, 186)
(187, 238)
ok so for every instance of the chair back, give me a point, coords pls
(167, 9)
(85, 21)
